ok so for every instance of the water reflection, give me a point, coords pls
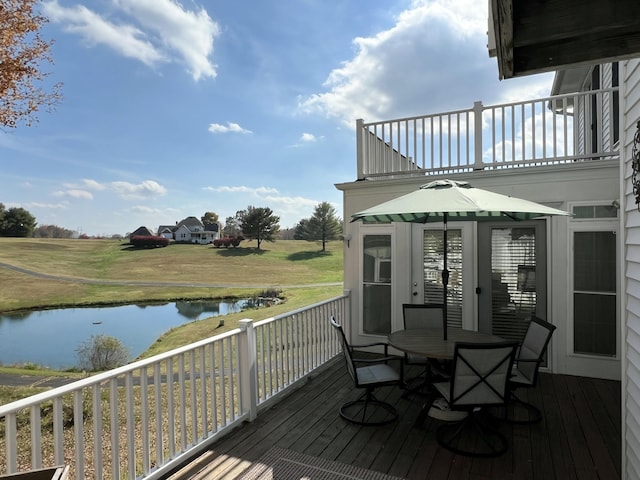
(51, 337)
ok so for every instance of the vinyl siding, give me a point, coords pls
(630, 77)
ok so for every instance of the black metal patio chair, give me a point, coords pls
(368, 374)
(479, 376)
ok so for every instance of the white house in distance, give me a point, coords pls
(572, 150)
(189, 230)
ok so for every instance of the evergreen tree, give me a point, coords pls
(260, 224)
(323, 225)
(17, 222)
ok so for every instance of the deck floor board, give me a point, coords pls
(578, 438)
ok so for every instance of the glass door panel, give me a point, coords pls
(433, 263)
(376, 285)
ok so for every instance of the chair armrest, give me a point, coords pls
(376, 344)
(377, 359)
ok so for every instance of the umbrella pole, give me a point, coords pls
(445, 278)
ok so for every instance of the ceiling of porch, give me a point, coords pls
(537, 36)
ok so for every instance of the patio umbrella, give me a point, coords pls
(443, 200)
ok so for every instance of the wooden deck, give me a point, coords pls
(579, 437)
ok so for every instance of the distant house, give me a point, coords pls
(166, 231)
(192, 230)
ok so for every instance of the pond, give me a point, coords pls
(51, 337)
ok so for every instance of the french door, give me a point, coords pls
(511, 277)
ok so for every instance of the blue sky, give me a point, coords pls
(175, 109)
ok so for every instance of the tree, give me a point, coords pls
(22, 53)
(323, 225)
(300, 229)
(260, 224)
(232, 225)
(101, 352)
(210, 218)
(52, 231)
(17, 222)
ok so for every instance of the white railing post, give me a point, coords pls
(248, 368)
(478, 164)
(359, 148)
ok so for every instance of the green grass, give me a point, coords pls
(237, 272)
(296, 268)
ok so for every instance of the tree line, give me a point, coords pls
(253, 223)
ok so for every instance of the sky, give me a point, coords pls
(173, 109)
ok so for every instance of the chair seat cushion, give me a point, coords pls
(519, 378)
(376, 374)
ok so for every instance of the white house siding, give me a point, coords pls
(630, 105)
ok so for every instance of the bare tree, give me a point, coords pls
(102, 352)
(22, 53)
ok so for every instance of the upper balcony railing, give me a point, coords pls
(553, 130)
(146, 418)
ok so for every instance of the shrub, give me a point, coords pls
(149, 241)
(227, 242)
(102, 352)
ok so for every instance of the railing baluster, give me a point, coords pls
(193, 381)
(11, 441)
(36, 439)
(157, 394)
(115, 431)
(131, 447)
(96, 390)
(144, 419)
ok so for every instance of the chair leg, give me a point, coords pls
(489, 441)
(380, 413)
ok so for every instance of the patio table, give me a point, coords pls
(430, 343)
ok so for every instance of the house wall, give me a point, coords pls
(630, 106)
(557, 186)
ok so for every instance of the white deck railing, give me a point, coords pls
(143, 419)
(551, 130)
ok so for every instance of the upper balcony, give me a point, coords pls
(554, 130)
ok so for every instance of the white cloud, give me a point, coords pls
(48, 206)
(433, 59)
(308, 137)
(229, 127)
(188, 33)
(151, 31)
(290, 209)
(242, 189)
(125, 39)
(74, 193)
(146, 189)
(86, 184)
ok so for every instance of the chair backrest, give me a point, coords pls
(480, 372)
(423, 315)
(346, 350)
(533, 347)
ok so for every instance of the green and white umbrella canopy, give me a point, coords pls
(443, 200)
